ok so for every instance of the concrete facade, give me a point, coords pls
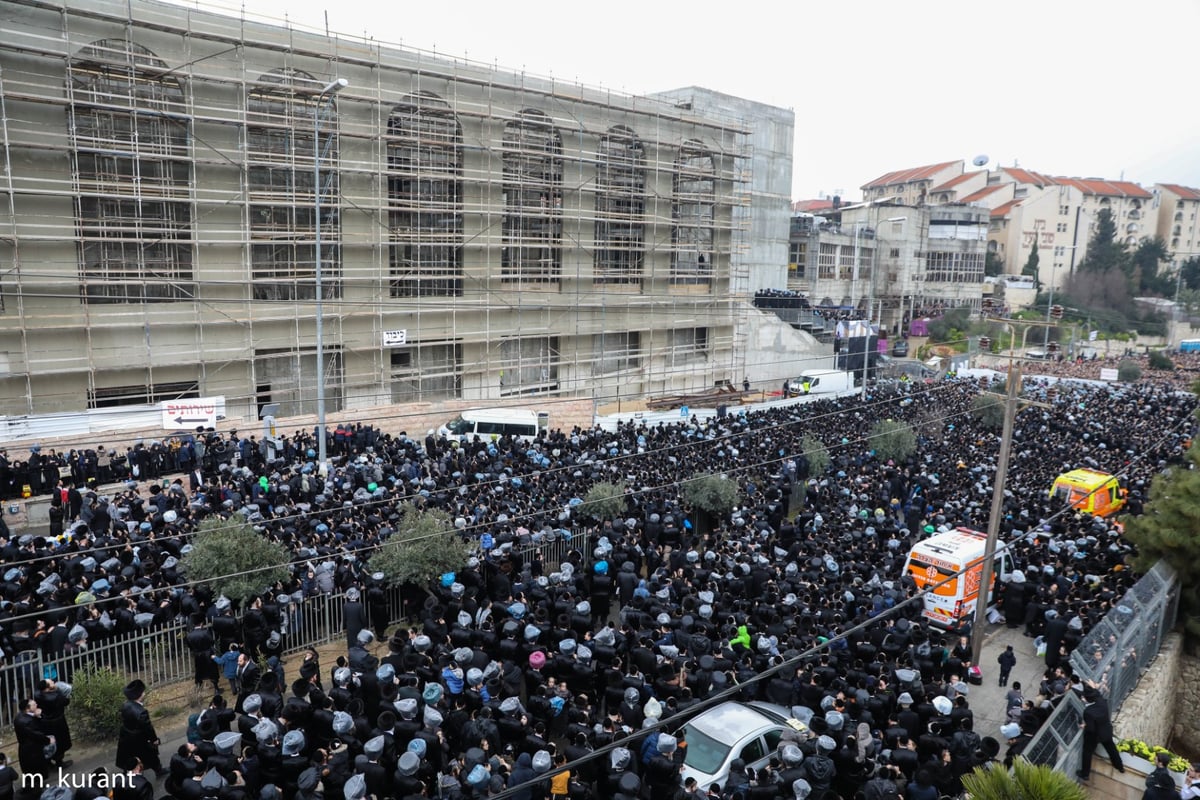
(760, 262)
(528, 301)
(1179, 221)
(910, 260)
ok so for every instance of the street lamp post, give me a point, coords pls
(328, 92)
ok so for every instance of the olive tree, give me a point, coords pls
(423, 546)
(234, 559)
(605, 500)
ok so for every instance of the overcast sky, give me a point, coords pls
(1090, 89)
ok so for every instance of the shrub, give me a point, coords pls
(96, 699)
(1025, 782)
(1128, 371)
(423, 546)
(712, 494)
(1160, 360)
(893, 440)
(988, 410)
(1142, 750)
(605, 500)
(231, 556)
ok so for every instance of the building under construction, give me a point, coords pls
(180, 186)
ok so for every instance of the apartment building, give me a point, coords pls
(1177, 221)
(890, 260)
(184, 191)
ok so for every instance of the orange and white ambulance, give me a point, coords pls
(1095, 492)
(935, 565)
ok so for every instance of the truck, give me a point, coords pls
(820, 381)
(1091, 491)
(948, 568)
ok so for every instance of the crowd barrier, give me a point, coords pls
(1113, 656)
(159, 655)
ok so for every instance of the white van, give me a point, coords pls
(821, 381)
(935, 560)
(490, 424)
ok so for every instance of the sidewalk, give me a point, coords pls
(987, 701)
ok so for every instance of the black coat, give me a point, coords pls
(137, 738)
(31, 742)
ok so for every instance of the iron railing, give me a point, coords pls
(1113, 655)
(159, 654)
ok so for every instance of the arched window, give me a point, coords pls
(281, 112)
(532, 227)
(424, 150)
(131, 152)
(620, 207)
(692, 210)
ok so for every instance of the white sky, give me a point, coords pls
(1064, 87)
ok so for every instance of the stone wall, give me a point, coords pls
(1150, 710)
(1185, 735)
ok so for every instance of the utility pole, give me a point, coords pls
(993, 531)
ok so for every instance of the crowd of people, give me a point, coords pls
(573, 683)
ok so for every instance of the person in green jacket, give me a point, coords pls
(742, 638)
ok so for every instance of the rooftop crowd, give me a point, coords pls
(507, 676)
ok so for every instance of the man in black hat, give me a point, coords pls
(137, 742)
(1097, 730)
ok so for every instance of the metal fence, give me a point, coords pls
(1113, 655)
(159, 655)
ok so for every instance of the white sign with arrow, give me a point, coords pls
(187, 415)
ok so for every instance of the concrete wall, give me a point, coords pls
(768, 215)
(776, 351)
(1158, 690)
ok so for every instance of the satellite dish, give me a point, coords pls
(980, 161)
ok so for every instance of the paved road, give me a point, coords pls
(987, 701)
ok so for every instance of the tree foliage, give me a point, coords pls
(1146, 262)
(1026, 781)
(605, 500)
(712, 493)
(1160, 360)
(893, 440)
(1169, 530)
(234, 559)
(988, 410)
(423, 546)
(816, 454)
(1031, 263)
(1189, 277)
(1129, 371)
(956, 319)
(993, 265)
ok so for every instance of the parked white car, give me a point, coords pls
(749, 731)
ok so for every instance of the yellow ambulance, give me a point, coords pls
(1089, 490)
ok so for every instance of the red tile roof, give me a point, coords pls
(812, 206)
(903, 176)
(955, 181)
(1101, 188)
(1003, 209)
(982, 193)
(1028, 176)
(1184, 192)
